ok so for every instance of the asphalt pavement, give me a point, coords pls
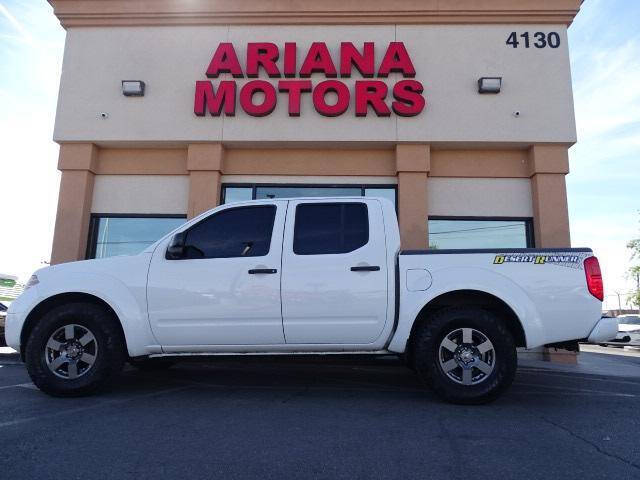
(310, 417)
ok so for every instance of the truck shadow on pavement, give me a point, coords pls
(306, 417)
(365, 378)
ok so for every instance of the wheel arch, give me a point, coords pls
(470, 298)
(63, 299)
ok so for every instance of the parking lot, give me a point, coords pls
(322, 418)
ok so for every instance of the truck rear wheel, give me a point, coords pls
(466, 355)
(73, 349)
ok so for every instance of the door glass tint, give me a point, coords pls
(238, 232)
(324, 228)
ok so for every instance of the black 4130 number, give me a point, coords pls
(537, 39)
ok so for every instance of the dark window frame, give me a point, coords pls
(362, 186)
(366, 209)
(240, 207)
(528, 223)
(94, 225)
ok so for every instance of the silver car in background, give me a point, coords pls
(629, 326)
(3, 316)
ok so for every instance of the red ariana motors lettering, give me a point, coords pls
(407, 93)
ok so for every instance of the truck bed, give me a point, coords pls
(544, 287)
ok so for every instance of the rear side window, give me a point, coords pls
(237, 232)
(324, 228)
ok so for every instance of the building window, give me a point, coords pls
(111, 235)
(474, 232)
(236, 194)
(330, 228)
(239, 193)
(235, 232)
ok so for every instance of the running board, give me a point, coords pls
(243, 354)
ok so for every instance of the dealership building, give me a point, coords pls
(460, 112)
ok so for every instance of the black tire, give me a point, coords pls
(110, 349)
(152, 364)
(426, 349)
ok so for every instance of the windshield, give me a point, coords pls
(631, 320)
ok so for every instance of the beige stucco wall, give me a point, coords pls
(492, 197)
(140, 194)
(448, 58)
(310, 179)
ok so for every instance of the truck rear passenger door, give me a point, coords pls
(334, 272)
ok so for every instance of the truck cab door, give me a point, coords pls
(225, 288)
(334, 278)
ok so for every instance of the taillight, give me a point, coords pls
(594, 277)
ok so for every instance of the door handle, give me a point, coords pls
(255, 271)
(366, 268)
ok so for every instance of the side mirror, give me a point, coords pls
(175, 250)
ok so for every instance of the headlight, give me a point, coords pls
(32, 282)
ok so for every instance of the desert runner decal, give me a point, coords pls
(562, 259)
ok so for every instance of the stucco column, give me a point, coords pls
(78, 163)
(204, 162)
(548, 165)
(413, 162)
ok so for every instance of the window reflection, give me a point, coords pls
(388, 193)
(238, 194)
(129, 235)
(446, 234)
(244, 193)
(292, 192)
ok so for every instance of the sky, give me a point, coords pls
(603, 186)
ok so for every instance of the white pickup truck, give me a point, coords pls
(306, 276)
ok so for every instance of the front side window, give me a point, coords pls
(236, 232)
(127, 235)
(479, 233)
(326, 228)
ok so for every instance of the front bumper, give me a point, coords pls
(17, 314)
(11, 332)
(606, 329)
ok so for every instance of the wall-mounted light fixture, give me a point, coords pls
(133, 88)
(489, 84)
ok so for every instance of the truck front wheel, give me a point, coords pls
(73, 349)
(467, 355)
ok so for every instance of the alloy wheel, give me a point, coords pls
(467, 356)
(71, 351)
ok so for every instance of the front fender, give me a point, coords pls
(448, 280)
(127, 301)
